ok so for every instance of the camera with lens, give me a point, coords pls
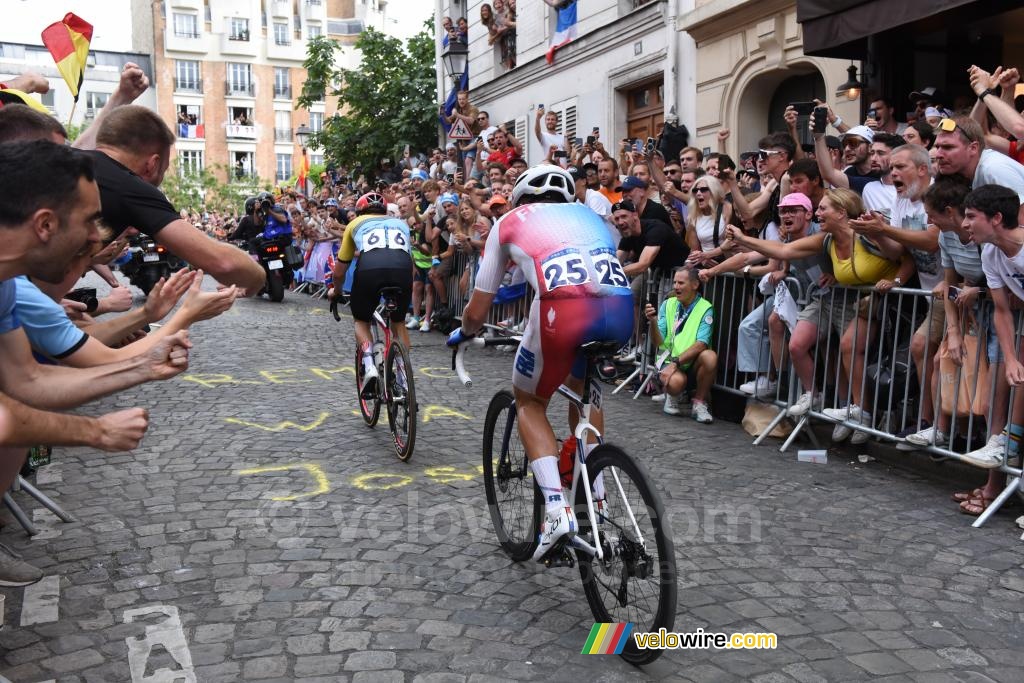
(85, 295)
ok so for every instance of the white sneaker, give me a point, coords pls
(658, 397)
(425, 326)
(699, 412)
(989, 456)
(803, 404)
(860, 437)
(850, 412)
(413, 323)
(927, 437)
(765, 387)
(14, 572)
(842, 432)
(671, 405)
(749, 387)
(556, 526)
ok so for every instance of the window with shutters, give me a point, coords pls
(566, 110)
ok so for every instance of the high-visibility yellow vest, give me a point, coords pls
(685, 338)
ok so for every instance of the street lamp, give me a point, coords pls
(302, 134)
(455, 58)
(852, 87)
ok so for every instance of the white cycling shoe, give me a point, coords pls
(554, 530)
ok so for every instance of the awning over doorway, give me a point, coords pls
(839, 28)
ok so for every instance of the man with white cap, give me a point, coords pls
(856, 147)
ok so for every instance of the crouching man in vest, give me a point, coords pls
(681, 328)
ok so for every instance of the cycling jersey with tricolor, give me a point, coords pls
(583, 295)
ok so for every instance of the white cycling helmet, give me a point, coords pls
(543, 179)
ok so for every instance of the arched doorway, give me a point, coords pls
(763, 101)
(800, 88)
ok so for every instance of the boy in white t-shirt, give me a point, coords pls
(990, 215)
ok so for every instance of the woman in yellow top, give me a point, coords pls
(855, 261)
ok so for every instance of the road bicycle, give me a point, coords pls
(394, 386)
(626, 560)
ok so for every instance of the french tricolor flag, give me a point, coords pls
(565, 31)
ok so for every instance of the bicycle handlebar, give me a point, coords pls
(459, 352)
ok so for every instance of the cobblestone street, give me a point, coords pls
(262, 532)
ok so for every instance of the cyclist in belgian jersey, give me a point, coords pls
(583, 295)
(382, 245)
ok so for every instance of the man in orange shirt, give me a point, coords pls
(608, 177)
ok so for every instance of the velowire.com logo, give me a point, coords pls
(611, 639)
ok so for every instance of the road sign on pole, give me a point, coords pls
(460, 131)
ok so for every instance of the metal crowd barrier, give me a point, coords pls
(887, 374)
(512, 302)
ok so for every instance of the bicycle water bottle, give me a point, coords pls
(566, 461)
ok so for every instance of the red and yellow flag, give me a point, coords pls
(303, 172)
(68, 42)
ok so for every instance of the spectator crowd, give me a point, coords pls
(835, 232)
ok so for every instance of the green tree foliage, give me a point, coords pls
(386, 103)
(205, 190)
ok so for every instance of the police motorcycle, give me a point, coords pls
(272, 248)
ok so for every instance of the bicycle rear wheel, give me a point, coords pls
(636, 580)
(401, 395)
(369, 408)
(513, 498)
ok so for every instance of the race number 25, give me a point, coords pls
(609, 269)
(566, 268)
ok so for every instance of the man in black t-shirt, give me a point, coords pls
(651, 245)
(648, 243)
(133, 149)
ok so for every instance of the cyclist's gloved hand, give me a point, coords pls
(458, 336)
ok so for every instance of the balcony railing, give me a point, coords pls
(282, 135)
(184, 33)
(314, 2)
(245, 89)
(239, 35)
(234, 130)
(282, 40)
(188, 85)
(283, 92)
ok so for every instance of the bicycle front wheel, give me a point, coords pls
(401, 394)
(513, 499)
(369, 408)
(636, 580)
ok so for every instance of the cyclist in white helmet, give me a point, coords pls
(583, 295)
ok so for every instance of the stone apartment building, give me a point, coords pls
(228, 72)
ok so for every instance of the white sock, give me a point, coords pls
(545, 471)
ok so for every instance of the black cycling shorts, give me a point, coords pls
(375, 271)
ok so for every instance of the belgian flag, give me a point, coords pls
(68, 42)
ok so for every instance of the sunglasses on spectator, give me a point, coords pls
(947, 126)
(764, 154)
(702, 189)
(673, 171)
(480, 118)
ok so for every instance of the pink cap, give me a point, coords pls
(796, 199)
